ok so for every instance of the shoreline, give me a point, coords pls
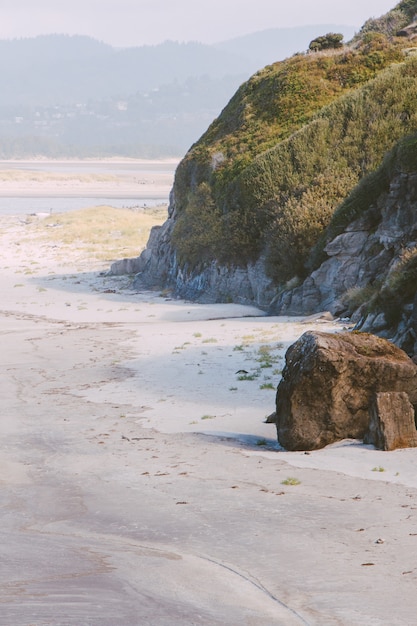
(84, 193)
(130, 180)
(91, 160)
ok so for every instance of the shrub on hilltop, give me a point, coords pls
(327, 42)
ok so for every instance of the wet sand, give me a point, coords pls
(127, 178)
(139, 484)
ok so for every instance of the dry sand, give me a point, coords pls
(139, 484)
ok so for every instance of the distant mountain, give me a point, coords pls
(62, 69)
(74, 96)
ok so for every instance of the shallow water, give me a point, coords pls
(62, 204)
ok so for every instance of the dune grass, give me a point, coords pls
(291, 481)
(103, 232)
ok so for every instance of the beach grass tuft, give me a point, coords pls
(291, 481)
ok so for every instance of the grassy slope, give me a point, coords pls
(292, 143)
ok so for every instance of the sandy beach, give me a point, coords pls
(139, 482)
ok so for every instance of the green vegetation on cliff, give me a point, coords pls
(294, 141)
(401, 159)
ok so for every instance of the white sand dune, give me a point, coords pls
(140, 484)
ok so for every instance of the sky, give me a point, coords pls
(127, 23)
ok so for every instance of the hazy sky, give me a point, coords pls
(139, 22)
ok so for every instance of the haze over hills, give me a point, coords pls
(266, 47)
(75, 96)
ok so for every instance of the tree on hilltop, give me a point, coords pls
(326, 42)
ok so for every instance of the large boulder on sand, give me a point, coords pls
(328, 385)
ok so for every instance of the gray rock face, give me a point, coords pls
(215, 283)
(328, 384)
(157, 263)
(158, 267)
(392, 422)
(125, 266)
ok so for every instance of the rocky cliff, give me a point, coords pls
(286, 201)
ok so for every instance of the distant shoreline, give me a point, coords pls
(91, 160)
(130, 180)
(85, 194)
(42, 185)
